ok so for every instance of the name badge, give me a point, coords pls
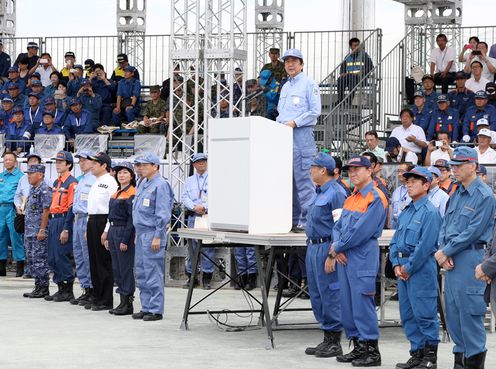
(146, 202)
(84, 197)
(204, 198)
(296, 100)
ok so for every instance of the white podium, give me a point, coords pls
(250, 178)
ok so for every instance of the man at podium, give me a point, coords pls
(299, 107)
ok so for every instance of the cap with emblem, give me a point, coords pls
(88, 63)
(481, 94)
(129, 69)
(36, 75)
(155, 88)
(198, 157)
(85, 82)
(427, 76)
(147, 158)
(34, 94)
(35, 168)
(64, 155)
(13, 85)
(36, 82)
(121, 58)
(49, 101)
(85, 154)
(482, 122)
(484, 132)
(17, 109)
(435, 171)
(419, 172)
(295, 53)
(74, 101)
(442, 98)
(392, 143)
(50, 113)
(324, 160)
(441, 163)
(13, 69)
(274, 50)
(34, 155)
(78, 66)
(358, 161)
(419, 93)
(33, 45)
(124, 165)
(481, 169)
(70, 54)
(7, 100)
(462, 155)
(101, 158)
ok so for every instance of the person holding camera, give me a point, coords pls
(128, 98)
(439, 149)
(75, 80)
(104, 87)
(45, 68)
(480, 55)
(477, 82)
(70, 60)
(91, 102)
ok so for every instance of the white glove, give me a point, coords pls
(466, 138)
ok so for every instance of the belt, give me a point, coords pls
(118, 223)
(6, 204)
(313, 241)
(479, 246)
(80, 215)
(59, 215)
(403, 254)
(98, 215)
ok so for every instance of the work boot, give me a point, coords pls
(206, 279)
(67, 294)
(415, 359)
(85, 295)
(29, 294)
(60, 289)
(122, 303)
(152, 317)
(43, 291)
(20, 268)
(429, 361)
(3, 268)
(100, 307)
(140, 315)
(371, 355)
(241, 281)
(459, 359)
(186, 285)
(251, 281)
(475, 361)
(88, 298)
(332, 347)
(292, 291)
(304, 286)
(358, 350)
(127, 307)
(325, 342)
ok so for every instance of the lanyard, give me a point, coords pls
(78, 121)
(403, 196)
(31, 115)
(200, 189)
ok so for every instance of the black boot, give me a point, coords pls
(127, 308)
(122, 303)
(43, 291)
(241, 282)
(371, 355)
(458, 360)
(429, 361)
(358, 350)
(325, 342)
(60, 289)
(85, 295)
(333, 346)
(29, 294)
(475, 361)
(3, 268)
(88, 298)
(292, 291)
(304, 286)
(186, 285)
(67, 293)
(415, 359)
(20, 268)
(206, 279)
(251, 281)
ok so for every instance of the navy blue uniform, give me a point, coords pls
(422, 118)
(444, 121)
(473, 114)
(461, 101)
(5, 63)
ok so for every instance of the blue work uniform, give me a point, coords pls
(431, 100)
(40, 198)
(8, 236)
(107, 93)
(439, 199)
(152, 210)
(413, 246)
(34, 117)
(126, 89)
(5, 63)
(53, 130)
(20, 100)
(444, 121)
(196, 193)
(79, 212)
(322, 287)
(467, 228)
(355, 234)
(473, 114)
(78, 124)
(300, 101)
(59, 118)
(461, 101)
(18, 136)
(20, 82)
(399, 201)
(92, 104)
(121, 230)
(422, 118)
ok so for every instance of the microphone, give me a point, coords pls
(256, 93)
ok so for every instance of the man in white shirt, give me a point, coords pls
(372, 142)
(398, 154)
(410, 135)
(98, 207)
(439, 149)
(442, 61)
(484, 123)
(488, 63)
(484, 152)
(45, 68)
(477, 82)
(437, 196)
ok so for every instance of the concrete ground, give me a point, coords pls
(40, 334)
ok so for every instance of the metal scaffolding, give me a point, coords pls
(131, 28)
(269, 27)
(8, 23)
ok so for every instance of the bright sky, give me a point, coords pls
(97, 17)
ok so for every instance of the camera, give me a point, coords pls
(476, 52)
(438, 143)
(43, 61)
(72, 70)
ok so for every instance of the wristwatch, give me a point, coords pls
(331, 256)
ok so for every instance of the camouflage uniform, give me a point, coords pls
(152, 110)
(39, 198)
(278, 70)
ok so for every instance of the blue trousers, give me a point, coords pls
(303, 188)
(418, 306)
(323, 289)
(246, 260)
(38, 257)
(206, 265)
(58, 254)
(297, 269)
(465, 306)
(127, 115)
(8, 235)
(80, 250)
(122, 262)
(150, 267)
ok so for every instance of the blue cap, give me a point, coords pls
(198, 157)
(85, 81)
(442, 98)
(13, 85)
(421, 172)
(7, 99)
(482, 170)
(36, 74)
(78, 66)
(13, 69)
(462, 155)
(481, 94)
(129, 69)
(48, 112)
(460, 75)
(36, 82)
(18, 109)
(441, 163)
(49, 100)
(64, 155)
(34, 94)
(35, 168)
(295, 53)
(33, 155)
(324, 160)
(435, 170)
(358, 161)
(123, 165)
(147, 158)
(74, 101)
(85, 154)
(419, 93)
(427, 76)
(392, 143)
